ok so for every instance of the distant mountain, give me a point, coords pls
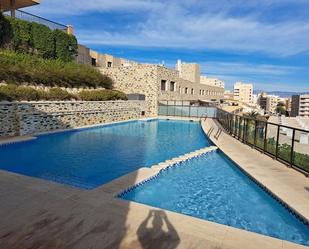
(280, 93)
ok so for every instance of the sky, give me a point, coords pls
(264, 42)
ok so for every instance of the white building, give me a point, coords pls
(243, 92)
(211, 81)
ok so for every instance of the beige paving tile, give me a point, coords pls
(237, 238)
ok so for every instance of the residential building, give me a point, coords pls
(189, 71)
(243, 92)
(107, 60)
(158, 83)
(271, 103)
(300, 105)
(211, 81)
(268, 102)
(262, 100)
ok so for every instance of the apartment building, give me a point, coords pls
(300, 105)
(268, 102)
(243, 92)
(212, 81)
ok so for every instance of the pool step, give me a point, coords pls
(184, 157)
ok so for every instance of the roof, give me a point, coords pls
(6, 6)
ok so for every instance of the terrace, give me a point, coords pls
(60, 216)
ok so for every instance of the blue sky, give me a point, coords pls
(265, 42)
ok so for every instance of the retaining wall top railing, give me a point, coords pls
(33, 18)
(287, 144)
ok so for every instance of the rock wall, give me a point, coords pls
(26, 118)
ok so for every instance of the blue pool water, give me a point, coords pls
(211, 187)
(91, 157)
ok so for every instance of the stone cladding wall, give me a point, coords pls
(26, 118)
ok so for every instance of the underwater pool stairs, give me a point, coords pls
(38, 212)
(144, 174)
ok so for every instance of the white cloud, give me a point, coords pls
(194, 24)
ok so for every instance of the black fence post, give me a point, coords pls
(265, 138)
(292, 149)
(255, 131)
(277, 142)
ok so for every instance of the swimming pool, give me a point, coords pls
(87, 158)
(213, 188)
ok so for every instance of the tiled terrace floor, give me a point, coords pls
(39, 214)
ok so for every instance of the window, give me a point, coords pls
(192, 91)
(200, 91)
(186, 90)
(172, 86)
(93, 62)
(109, 64)
(179, 89)
(163, 85)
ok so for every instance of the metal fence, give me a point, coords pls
(287, 144)
(33, 18)
(185, 109)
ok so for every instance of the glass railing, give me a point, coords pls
(287, 144)
(185, 109)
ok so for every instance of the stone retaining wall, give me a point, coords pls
(26, 118)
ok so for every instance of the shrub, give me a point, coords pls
(18, 93)
(59, 94)
(65, 45)
(25, 68)
(27, 93)
(31, 37)
(101, 95)
(43, 41)
(5, 30)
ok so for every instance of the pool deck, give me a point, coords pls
(41, 214)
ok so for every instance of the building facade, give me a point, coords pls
(211, 81)
(243, 92)
(160, 83)
(189, 71)
(300, 105)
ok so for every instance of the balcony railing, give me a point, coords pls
(287, 144)
(33, 18)
(185, 109)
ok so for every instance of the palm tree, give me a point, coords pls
(252, 114)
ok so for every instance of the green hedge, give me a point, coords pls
(21, 68)
(101, 95)
(30, 37)
(19, 93)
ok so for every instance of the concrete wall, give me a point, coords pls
(83, 55)
(25, 118)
